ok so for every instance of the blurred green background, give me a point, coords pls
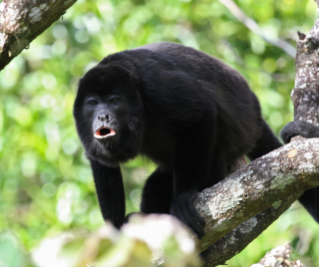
(46, 184)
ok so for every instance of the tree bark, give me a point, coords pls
(279, 256)
(21, 21)
(235, 241)
(265, 183)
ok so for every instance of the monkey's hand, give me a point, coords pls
(183, 208)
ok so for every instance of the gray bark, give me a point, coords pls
(21, 21)
(266, 183)
(279, 256)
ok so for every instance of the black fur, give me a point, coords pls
(310, 198)
(188, 112)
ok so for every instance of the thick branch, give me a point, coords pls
(305, 95)
(21, 21)
(235, 241)
(265, 183)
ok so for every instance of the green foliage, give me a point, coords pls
(46, 184)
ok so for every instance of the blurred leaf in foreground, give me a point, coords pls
(146, 240)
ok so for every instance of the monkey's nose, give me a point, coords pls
(104, 117)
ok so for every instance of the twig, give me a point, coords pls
(254, 27)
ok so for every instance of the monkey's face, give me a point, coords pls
(109, 115)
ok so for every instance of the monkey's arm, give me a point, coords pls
(110, 192)
(192, 165)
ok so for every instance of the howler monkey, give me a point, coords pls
(188, 112)
(310, 198)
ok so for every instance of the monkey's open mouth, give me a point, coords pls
(104, 132)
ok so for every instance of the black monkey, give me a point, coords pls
(310, 198)
(185, 110)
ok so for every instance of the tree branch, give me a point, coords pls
(263, 184)
(305, 94)
(235, 241)
(254, 27)
(21, 21)
(279, 256)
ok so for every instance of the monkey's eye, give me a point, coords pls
(92, 102)
(115, 100)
